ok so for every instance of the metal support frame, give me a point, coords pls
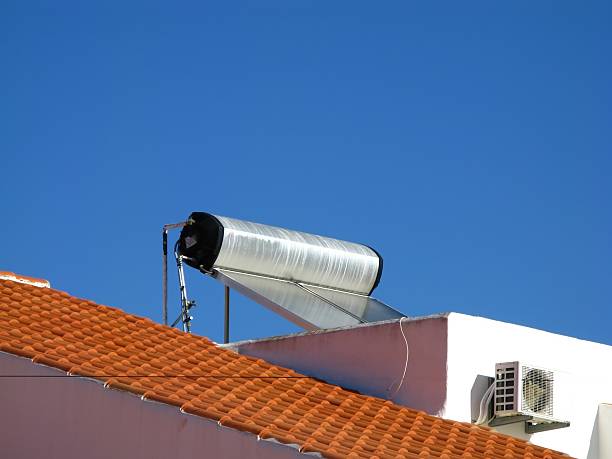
(165, 230)
(227, 316)
(505, 420)
(186, 304)
(531, 427)
(184, 317)
(165, 276)
(532, 424)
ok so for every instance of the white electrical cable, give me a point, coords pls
(483, 414)
(405, 364)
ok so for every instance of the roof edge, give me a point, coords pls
(233, 344)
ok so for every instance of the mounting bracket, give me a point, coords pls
(532, 424)
(531, 427)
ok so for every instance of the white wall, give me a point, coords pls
(601, 441)
(70, 417)
(604, 429)
(369, 358)
(475, 344)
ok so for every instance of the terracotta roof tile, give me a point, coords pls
(164, 364)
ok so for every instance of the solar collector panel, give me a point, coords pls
(287, 299)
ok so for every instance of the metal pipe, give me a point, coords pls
(227, 316)
(165, 276)
(185, 304)
(165, 229)
(174, 225)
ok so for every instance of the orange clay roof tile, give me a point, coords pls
(164, 364)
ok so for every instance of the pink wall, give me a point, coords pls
(369, 359)
(71, 417)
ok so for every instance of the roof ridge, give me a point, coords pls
(36, 282)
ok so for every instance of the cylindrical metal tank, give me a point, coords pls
(211, 241)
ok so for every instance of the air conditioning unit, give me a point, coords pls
(525, 392)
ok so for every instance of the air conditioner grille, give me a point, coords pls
(537, 388)
(505, 396)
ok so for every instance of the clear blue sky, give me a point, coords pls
(468, 142)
